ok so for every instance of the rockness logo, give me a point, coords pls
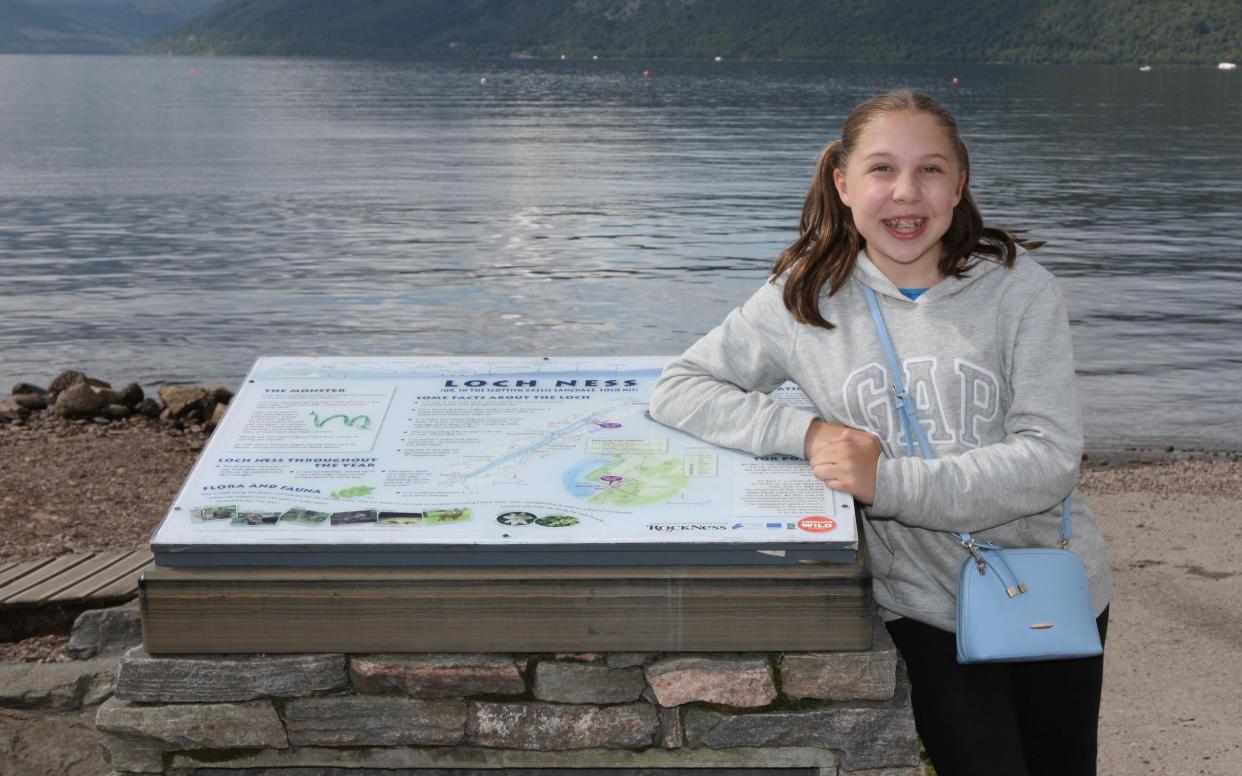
(817, 524)
(688, 527)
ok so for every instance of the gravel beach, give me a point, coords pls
(1172, 697)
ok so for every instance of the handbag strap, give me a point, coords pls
(910, 419)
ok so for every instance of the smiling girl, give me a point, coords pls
(985, 342)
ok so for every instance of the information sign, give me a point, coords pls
(407, 461)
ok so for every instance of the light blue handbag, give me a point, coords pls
(1013, 605)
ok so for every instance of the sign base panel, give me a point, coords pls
(501, 609)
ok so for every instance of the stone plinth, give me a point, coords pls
(845, 713)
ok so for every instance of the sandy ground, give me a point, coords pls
(1172, 692)
(1172, 696)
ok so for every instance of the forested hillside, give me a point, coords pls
(1061, 31)
(88, 26)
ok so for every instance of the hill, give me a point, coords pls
(1017, 31)
(88, 26)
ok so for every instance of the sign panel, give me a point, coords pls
(349, 454)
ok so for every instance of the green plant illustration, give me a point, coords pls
(357, 491)
(361, 422)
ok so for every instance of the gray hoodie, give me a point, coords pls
(988, 362)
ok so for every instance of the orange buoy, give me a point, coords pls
(956, 80)
(194, 71)
(647, 74)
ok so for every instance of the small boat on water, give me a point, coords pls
(1227, 66)
(1145, 69)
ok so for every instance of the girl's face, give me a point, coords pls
(901, 184)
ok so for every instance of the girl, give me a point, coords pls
(984, 339)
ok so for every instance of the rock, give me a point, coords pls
(870, 737)
(548, 727)
(185, 726)
(870, 675)
(105, 631)
(672, 732)
(198, 679)
(149, 408)
(78, 401)
(360, 720)
(581, 657)
(116, 412)
(731, 681)
(31, 401)
(436, 676)
(220, 395)
(65, 379)
(586, 683)
(35, 743)
(109, 396)
(217, 415)
(131, 395)
(58, 686)
(13, 410)
(131, 754)
(182, 400)
(628, 659)
(28, 388)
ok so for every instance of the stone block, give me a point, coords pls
(437, 676)
(912, 770)
(206, 679)
(549, 727)
(364, 720)
(870, 675)
(738, 681)
(587, 683)
(473, 761)
(105, 631)
(629, 659)
(185, 726)
(672, 732)
(581, 657)
(60, 686)
(868, 737)
(344, 761)
(131, 754)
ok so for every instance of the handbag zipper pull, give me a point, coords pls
(980, 563)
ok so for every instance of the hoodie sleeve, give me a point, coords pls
(718, 389)
(1032, 469)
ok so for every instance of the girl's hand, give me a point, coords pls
(843, 458)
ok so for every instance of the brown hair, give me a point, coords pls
(828, 247)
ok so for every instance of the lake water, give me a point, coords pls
(170, 219)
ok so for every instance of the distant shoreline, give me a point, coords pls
(602, 59)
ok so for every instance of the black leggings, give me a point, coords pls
(1001, 719)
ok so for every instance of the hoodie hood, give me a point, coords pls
(867, 273)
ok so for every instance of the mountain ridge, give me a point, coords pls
(959, 31)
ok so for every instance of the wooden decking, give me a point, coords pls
(72, 579)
